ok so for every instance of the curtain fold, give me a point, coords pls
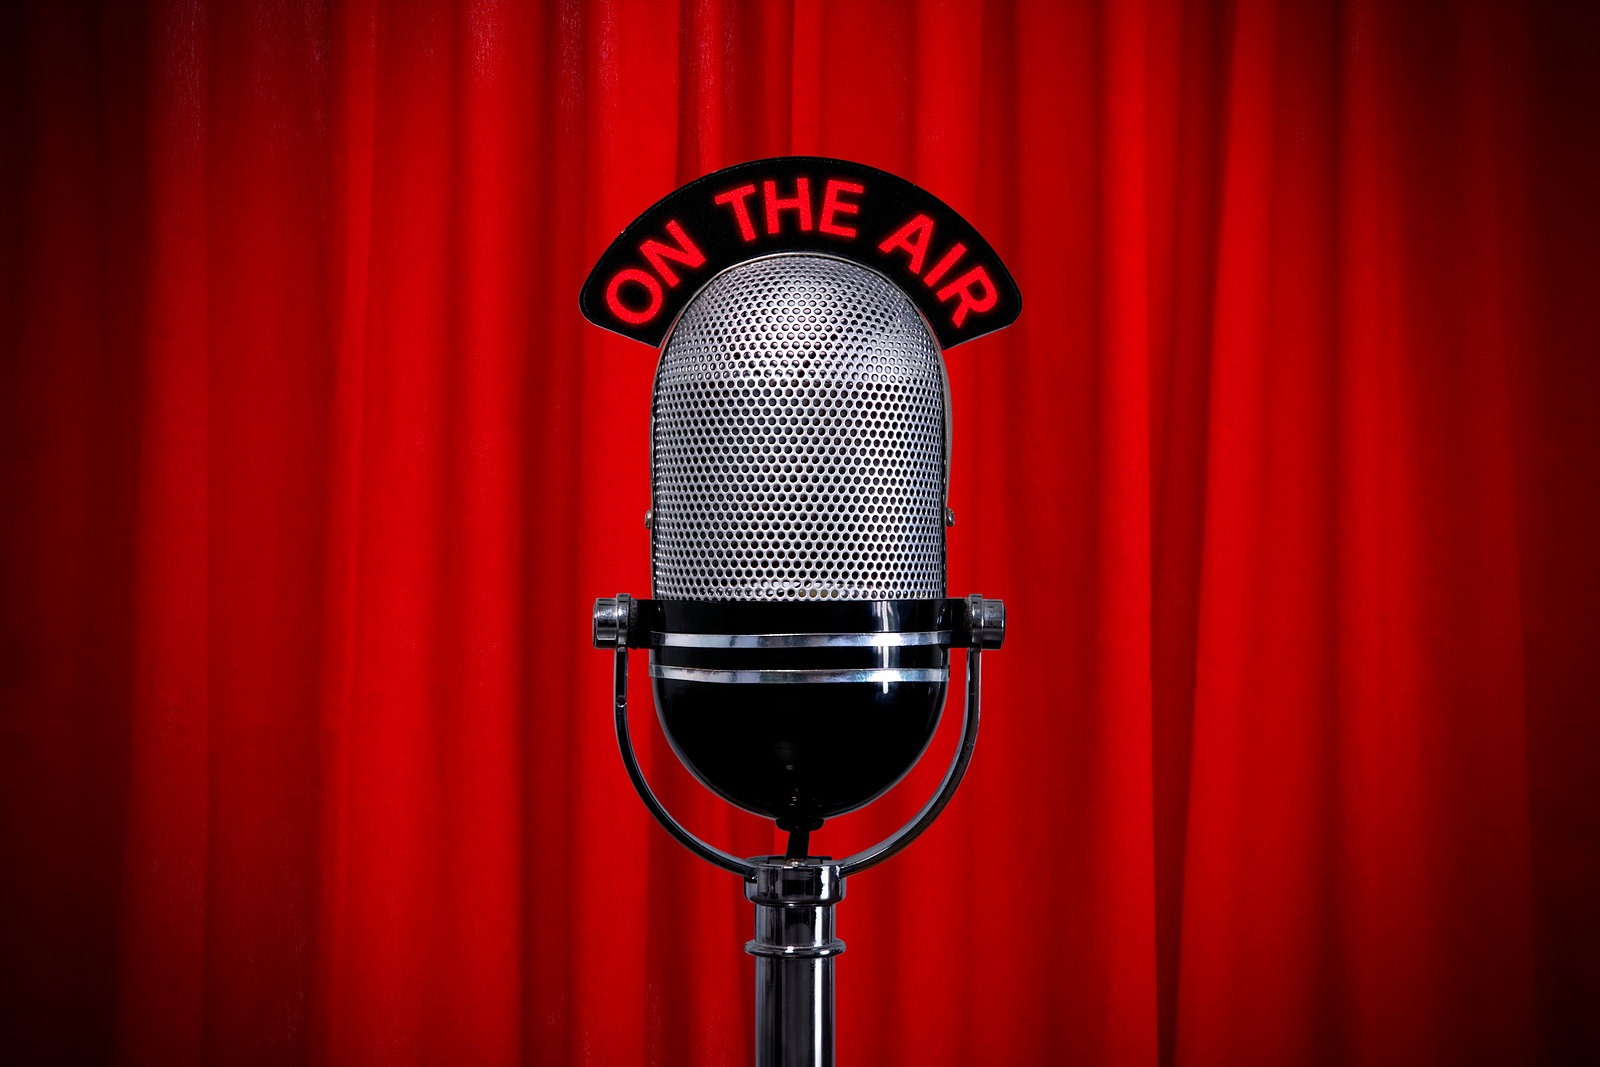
(1289, 475)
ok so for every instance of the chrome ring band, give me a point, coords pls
(859, 640)
(874, 674)
(795, 952)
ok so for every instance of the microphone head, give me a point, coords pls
(799, 459)
(799, 438)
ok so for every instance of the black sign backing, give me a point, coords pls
(800, 204)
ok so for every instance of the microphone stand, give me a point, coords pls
(794, 897)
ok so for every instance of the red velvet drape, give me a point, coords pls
(1289, 474)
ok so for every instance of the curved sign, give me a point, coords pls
(800, 204)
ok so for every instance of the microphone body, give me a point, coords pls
(799, 456)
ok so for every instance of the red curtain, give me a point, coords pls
(1289, 475)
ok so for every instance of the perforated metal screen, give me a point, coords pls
(798, 440)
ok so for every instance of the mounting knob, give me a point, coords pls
(986, 622)
(612, 618)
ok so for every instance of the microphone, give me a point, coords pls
(798, 456)
(799, 631)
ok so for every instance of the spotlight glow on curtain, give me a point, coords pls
(1289, 475)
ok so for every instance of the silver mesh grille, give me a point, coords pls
(798, 440)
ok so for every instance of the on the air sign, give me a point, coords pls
(800, 204)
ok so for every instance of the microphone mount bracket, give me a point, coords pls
(624, 622)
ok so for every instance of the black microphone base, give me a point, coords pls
(788, 753)
(800, 712)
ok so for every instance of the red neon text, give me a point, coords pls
(912, 238)
(957, 250)
(801, 202)
(832, 205)
(736, 198)
(970, 301)
(621, 310)
(658, 253)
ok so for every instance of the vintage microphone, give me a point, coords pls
(799, 633)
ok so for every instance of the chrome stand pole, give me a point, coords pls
(794, 949)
